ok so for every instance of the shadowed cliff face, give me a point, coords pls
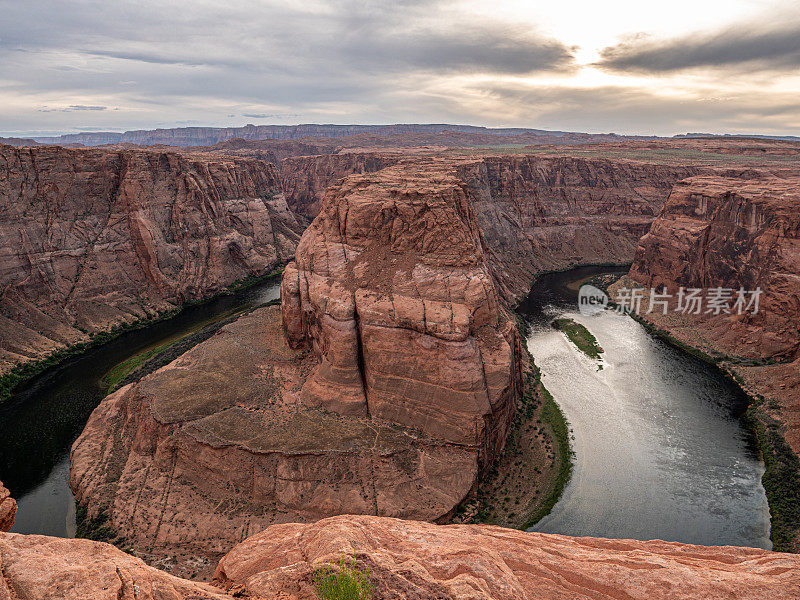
(91, 238)
(717, 231)
(305, 178)
(550, 213)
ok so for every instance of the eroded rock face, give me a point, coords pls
(37, 567)
(217, 446)
(8, 509)
(550, 213)
(91, 238)
(417, 561)
(305, 178)
(732, 233)
(391, 291)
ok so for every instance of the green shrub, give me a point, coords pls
(343, 582)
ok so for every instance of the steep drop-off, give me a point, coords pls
(93, 238)
(218, 445)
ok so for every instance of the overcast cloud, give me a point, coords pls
(92, 65)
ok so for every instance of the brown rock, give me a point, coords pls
(8, 509)
(732, 233)
(36, 567)
(92, 238)
(413, 561)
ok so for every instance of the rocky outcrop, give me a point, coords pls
(391, 291)
(409, 560)
(36, 567)
(217, 446)
(420, 561)
(93, 238)
(732, 233)
(8, 509)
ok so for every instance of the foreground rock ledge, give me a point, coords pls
(408, 560)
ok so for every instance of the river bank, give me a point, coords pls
(46, 415)
(781, 479)
(23, 373)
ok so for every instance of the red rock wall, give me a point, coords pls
(8, 509)
(305, 178)
(89, 238)
(550, 213)
(732, 233)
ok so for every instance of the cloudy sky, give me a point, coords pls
(623, 66)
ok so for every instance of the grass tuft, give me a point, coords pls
(343, 582)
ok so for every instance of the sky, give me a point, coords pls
(629, 67)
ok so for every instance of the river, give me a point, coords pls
(41, 420)
(661, 449)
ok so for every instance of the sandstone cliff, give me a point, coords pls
(408, 560)
(391, 291)
(551, 213)
(717, 231)
(305, 178)
(8, 509)
(91, 238)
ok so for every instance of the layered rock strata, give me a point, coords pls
(409, 560)
(390, 290)
(417, 561)
(92, 238)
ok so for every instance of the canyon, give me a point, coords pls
(93, 239)
(388, 381)
(732, 234)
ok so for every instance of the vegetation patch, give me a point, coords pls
(580, 336)
(527, 479)
(345, 581)
(781, 481)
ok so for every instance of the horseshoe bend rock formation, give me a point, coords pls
(217, 446)
(8, 509)
(391, 291)
(92, 238)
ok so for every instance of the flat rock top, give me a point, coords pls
(415, 560)
(240, 387)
